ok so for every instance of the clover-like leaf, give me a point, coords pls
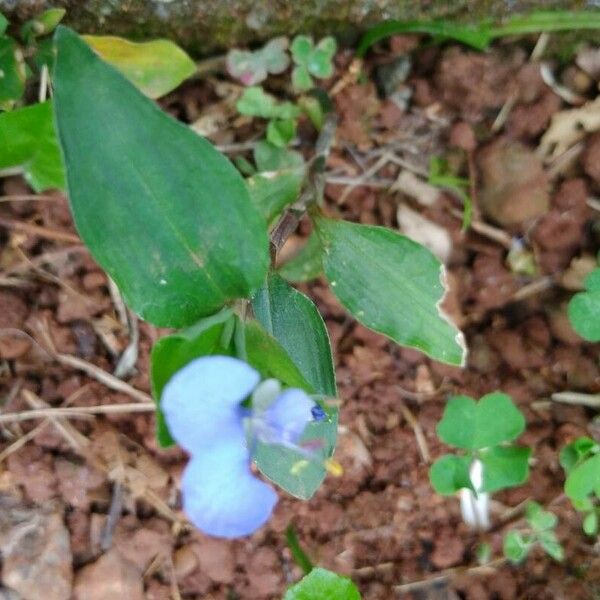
(590, 523)
(516, 547)
(280, 132)
(253, 67)
(474, 425)
(538, 518)
(584, 480)
(320, 64)
(301, 79)
(584, 308)
(577, 451)
(302, 47)
(255, 102)
(549, 542)
(504, 467)
(450, 473)
(272, 158)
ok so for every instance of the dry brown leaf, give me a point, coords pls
(569, 127)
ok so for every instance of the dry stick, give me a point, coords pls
(19, 443)
(418, 431)
(493, 233)
(591, 400)
(447, 573)
(313, 190)
(45, 232)
(81, 412)
(47, 257)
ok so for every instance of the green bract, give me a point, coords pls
(165, 214)
(321, 584)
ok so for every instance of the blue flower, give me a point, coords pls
(202, 407)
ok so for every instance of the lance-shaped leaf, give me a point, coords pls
(166, 215)
(155, 67)
(391, 285)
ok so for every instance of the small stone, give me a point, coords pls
(37, 559)
(185, 561)
(514, 186)
(111, 576)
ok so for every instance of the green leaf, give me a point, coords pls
(272, 191)
(155, 67)
(504, 467)
(307, 264)
(473, 425)
(584, 309)
(291, 318)
(320, 64)
(28, 140)
(268, 356)
(590, 523)
(584, 480)
(391, 285)
(43, 24)
(515, 546)
(321, 584)
(551, 545)
(538, 518)
(3, 23)
(572, 454)
(450, 473)
(301, 48)
(12, 72)
(271, 158)
(280, 132)
(166, 215)
(301, 79)
(252, 67)
(480, 35)
(312, 107)
(255, 102)
(172, 352)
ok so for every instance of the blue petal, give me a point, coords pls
(288, 416)
(221, 496)
(201, 402)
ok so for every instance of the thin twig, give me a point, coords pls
(591, 400)
(75, 412)
(45, 232)
(418, 431)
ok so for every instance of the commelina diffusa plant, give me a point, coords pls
(246, 379)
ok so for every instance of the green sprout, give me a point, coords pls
(541, 524)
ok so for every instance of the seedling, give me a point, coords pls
(519, 543)
(311, 61)
(584, 308)
(321, 584)
(489, 461)
(581, 461)
(254, 67)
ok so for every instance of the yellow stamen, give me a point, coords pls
(333, 467)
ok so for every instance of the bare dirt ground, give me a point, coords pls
(89, 503)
